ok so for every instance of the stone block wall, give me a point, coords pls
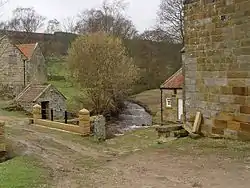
(11, 68)
(36, 71)
(56, 102)
(217, 65)
(83, 128)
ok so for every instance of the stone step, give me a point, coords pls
(168, 128)
(179, 133)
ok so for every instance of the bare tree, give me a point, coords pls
(69, 25)
(156, 34)
(26, 19)
(53, 26)
(171, 18)
(109, 18)
(3, 24)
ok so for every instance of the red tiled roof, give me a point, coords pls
(27, 49)
(175, 81)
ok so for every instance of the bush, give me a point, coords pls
(100, 63)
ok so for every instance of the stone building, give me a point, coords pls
(172, 98)
(24, 77)
(47, 96)
(20, 65)
(217, 65)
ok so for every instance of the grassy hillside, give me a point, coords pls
(57, 70)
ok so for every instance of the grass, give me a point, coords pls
(208, 146)
(57, 67)
(21, 172)
(3, 112)
(152, 99)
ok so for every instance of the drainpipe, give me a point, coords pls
(161, 108)
(24, 74)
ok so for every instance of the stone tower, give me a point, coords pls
(217, 65)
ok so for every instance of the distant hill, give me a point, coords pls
(57, 43)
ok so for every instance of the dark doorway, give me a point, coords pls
(45, 109)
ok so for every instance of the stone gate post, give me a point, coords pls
(37, 114)
(84, 121)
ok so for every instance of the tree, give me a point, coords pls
(26, 19)
(109, 18)
(156, 34)
(171, 18)
(53, 26)
(69, 25)
(100, 63)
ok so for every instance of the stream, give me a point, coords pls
(133, 117)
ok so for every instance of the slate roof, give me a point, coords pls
(27, 49)
(32, 92)
(175, 81)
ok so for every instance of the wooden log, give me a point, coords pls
(188, 128)
(197, 123)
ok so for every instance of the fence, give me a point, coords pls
(84, 121)
(67, 116)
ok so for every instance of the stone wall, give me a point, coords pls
(11, 68)
(83, 128)
(171, 113)
(36, 68)
(217, 65)
(56, 102)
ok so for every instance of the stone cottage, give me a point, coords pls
(20, 65)
(24, 77)
(172, 98)
(47, 96)
(217, 66)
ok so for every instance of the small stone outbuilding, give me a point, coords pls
(45, 95)
(172, 98)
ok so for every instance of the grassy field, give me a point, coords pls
(22, 172)
(57, 70)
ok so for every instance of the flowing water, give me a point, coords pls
(133, 117)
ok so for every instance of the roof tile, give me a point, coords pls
(175, 81)
(27, 49)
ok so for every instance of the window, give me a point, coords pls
(168, 102)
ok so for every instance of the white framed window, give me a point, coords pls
(168, 102)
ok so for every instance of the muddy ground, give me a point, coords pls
(80, 162)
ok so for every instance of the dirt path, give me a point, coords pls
(63, 157)
(74, 164)
(160, 169)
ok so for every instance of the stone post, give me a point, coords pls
(99, 124)
(37, 114)
(2, 138)
(84, 121)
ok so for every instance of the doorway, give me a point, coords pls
(45, 109)
(180, 109)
